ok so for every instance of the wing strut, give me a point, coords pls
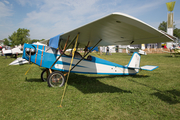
(86, 48)
(66, 43)
(84, 56)
(73, 52)
(64, 50)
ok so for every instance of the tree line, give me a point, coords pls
(18, 37)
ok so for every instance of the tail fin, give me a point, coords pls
(135, 61)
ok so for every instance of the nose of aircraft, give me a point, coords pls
(28, 51)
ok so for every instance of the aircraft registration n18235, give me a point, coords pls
(114, 29)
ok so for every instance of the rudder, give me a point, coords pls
(135, 61)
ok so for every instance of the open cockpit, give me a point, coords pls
(68, 53)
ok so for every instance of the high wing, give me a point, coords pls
(116, 29)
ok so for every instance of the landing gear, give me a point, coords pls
(56, 79)
(44, 75)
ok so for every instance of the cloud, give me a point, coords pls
(6, 1)
(6, 10)
(56, 17)
(138, 8)
(62, 16)
(26, 2)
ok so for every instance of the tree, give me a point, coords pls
(12, 38)
(163, 26)
(42, 39)
(20, 37)
(6, 42)
(176, 32)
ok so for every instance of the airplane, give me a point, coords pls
(136, 49)
(10, 52)
(175, 51)
(114, 29)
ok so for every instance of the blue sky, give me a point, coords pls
(48, 18)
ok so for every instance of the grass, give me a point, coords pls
(148, 95)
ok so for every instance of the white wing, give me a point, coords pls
(117, 29)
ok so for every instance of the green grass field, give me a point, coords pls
(148, 95)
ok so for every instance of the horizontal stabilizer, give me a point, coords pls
(19, 61)
(148, 67)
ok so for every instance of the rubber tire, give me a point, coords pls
(49, 80)
(42, 74)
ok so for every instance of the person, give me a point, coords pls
(101, 49)
(171, 48)
(165, 47)
(107, 50)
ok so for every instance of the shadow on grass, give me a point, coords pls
(33, 80)
(139, 76)
(169, 96)
(171, 56)
(91, 84)
(88, 85)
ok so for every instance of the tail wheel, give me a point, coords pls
(56, 79)
(44, 75)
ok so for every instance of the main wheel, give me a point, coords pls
(56, 79)
(44, 75)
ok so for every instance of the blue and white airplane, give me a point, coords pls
(114, 29)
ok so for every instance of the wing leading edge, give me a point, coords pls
(117, 29)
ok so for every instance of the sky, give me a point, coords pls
(48, 18)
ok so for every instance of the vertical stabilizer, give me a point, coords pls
(135, 61)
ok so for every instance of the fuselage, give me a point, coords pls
(45, 56)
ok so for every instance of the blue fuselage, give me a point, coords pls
(45, 56)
